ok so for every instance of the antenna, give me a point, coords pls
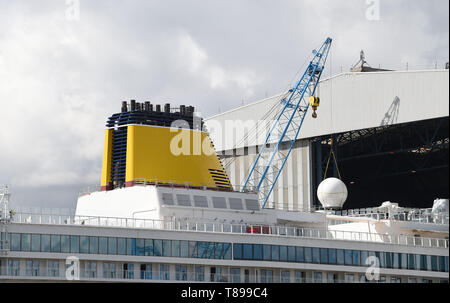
(5, 218)
(4, 203)
(362, 61)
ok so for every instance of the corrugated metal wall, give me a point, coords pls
(292, 191)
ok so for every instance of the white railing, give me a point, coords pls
(171, 184)
(210, 227)
(43, 273)
(403, 214)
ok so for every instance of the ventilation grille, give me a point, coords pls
(220, 178)
(184, 200)
(119, 154)
(200, 201)
(219, 202)
(235, 203)
(167, 199)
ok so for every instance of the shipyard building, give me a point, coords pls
(384, 133)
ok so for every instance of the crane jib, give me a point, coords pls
(290, 119)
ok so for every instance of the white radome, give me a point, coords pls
(332, 193)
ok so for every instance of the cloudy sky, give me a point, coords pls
(65, 66)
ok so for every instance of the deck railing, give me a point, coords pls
(229, 228)
(120, 275)
(421, 215)
(171, 184)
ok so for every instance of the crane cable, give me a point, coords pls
(332, 141)
(335, 162)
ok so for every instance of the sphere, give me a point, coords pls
(332, 193)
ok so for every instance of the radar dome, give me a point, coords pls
(332, 193)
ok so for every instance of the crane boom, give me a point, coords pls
(281, 138)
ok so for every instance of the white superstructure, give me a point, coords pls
(182, 234)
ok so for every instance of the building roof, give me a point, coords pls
(349, 101)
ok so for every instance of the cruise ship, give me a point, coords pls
(163, 216)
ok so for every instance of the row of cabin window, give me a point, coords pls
(119, 246)
(332, 256)
(217, 202)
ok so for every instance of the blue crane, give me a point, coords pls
(281, 138)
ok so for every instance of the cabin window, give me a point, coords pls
(164, 271)
(308, 255)
(257, 252)
(181, 272)
(131, 246)
(200, 201)
(166, 248)
(411, 261)
(199, 273)
(291, 254)
(275, 253)
(218, 251)
(434, 263)
(140, 247)
(109, 270)
(251, 204)
(184, 200)
(93, 245)
(300, 257)
(355, 257)
(193, 249)
(74, 244)
(112, 246)
(15, 242)
(167, 199)
(35, 242)
(219, 202)
(91, 269)
(283, 253)
(364, 256)
(348, 257)
(332, 256)
(148, 249)
(396, 260)
(53, 268)
(237, 251)
(45, 243)
(175, 248)
(404, 261)
(267, 253)
(157, 248)
(227, 251)
(235, 274)
(324, 256)
(235, 203)
(84, 244)
(316, 255)
(56, 243)
(128, 271)
(184, 249)
(340, 257)
(121, 246)
(26, 242)
(65, 244)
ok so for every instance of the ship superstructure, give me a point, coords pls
(138, 227)
(166, 211)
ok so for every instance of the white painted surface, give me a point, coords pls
(332, 193)
(349, 101)
(120, 203)
(145, 202)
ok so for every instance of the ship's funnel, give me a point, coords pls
(144, 147)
